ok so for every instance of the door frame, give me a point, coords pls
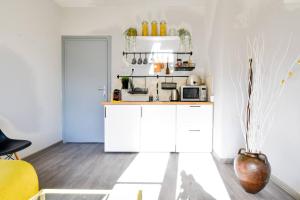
(107, 38)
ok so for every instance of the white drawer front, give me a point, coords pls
(194, 113)
(194, 140)
(194, 128)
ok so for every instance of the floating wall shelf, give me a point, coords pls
(157, 52)
(158, 38)
(152, 76)
(184, 68)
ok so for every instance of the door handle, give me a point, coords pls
(103, 90)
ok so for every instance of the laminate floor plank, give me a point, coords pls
(86, 166)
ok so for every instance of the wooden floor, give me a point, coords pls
(86, 166)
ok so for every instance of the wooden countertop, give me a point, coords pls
(155, 103)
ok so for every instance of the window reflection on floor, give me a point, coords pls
(199, 179)
(195, 177)
(146, 168)
(145, 173)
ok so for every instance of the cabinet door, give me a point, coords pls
(194, 128)
(158, 125)
(122, 128)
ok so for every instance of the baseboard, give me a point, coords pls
(31, 156)
(222, 160)
(285, 187)
(274, 179)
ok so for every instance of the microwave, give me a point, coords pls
(193, 93)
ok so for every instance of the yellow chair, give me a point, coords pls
(18, 180)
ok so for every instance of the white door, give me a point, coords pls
(86, 63)
(194, 128)
(158, 128)
(122, 128)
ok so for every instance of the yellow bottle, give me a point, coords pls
(154, 28)
(163, 28)
(145, 28)
(140, 195)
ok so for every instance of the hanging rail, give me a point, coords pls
(157, 52)
(151, 76)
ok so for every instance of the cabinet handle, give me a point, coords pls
(141, 112)
(194, 130)
(195, 106)
(104, 112)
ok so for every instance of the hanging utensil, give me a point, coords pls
(145, 62)
(140, 60)
(168, 85)
(152, 58)
(133, 60)
(167, 69)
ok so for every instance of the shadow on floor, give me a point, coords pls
(191, 190)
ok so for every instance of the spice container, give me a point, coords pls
(153, 28)
(145, 31)
(163, 28)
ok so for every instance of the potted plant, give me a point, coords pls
(125, 81)
(130, 38)
(263, 88)
(185, 39)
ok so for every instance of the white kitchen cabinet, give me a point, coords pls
(122, 128)
(158, 125)
(194, 128)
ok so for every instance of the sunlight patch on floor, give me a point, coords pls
(145, 173)
(130, 191)
(146, 168)
(198, 178)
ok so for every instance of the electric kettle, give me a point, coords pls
(174, 95)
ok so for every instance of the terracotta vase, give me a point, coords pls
(253, 170)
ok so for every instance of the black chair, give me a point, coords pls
(10, 147)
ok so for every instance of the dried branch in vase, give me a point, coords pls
(265, 84)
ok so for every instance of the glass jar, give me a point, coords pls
(163, 28)
(145, 28)
(153, 28)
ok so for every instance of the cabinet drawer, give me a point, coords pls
(194, 140)
(194, 114)
(194, 128)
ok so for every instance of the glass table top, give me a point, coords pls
(71, 194)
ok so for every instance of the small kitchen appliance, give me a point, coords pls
(174, 95)
(193, 80)
(193, 93)
(117, 95)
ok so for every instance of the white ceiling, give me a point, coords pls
(96, 3)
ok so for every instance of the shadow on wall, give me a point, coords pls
(191, 190)
(18, 100)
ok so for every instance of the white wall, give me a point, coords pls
(30, 72)
(30, 78)
(114, 18)
(235, 20)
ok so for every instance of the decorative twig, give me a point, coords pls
(263, 91)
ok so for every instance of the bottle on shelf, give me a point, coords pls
(154, 28)
(145, 31)
(163, 28)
